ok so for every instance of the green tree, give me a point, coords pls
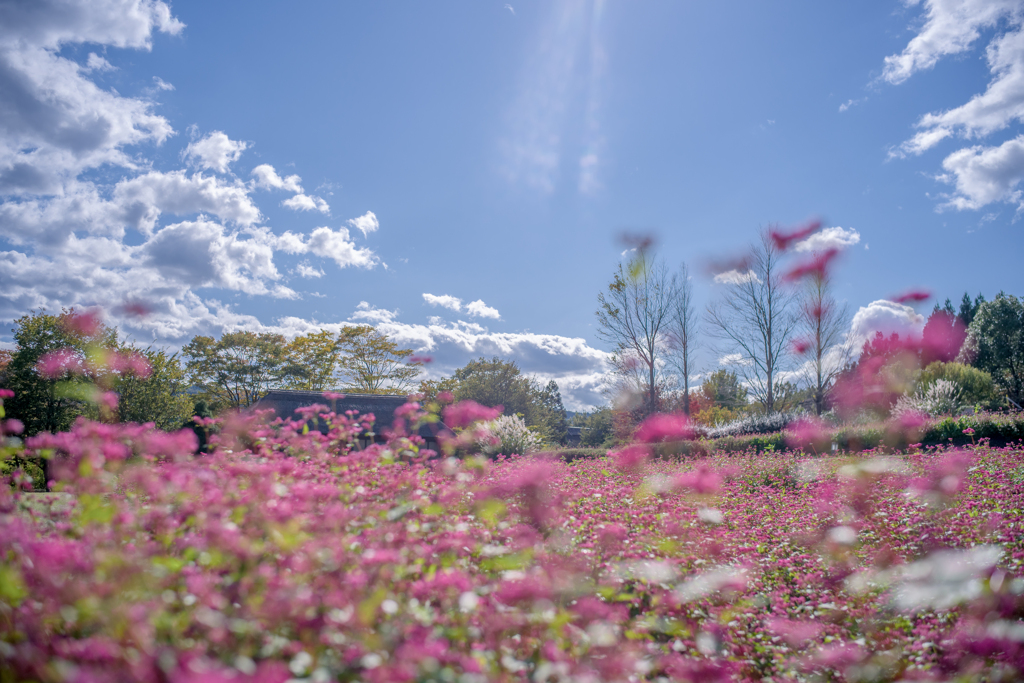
(995, 341)
(313, 360)
(553, 417)
(159, 397)
(724, 389)
(496, 382)
(598, 431)
(51, 403)
(237, 369)
(370, 363)
(968, 308)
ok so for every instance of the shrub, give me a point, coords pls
(942, 397)
(509, 436)
(976, 386)
(757, 423)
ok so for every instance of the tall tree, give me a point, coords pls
(553, 413)
(496, 382)
(236, 370)
(50, 401)
(968, 308)
(370, 363)
(682, 330)
(755, 321)
(995, 340)
(159, 396)
(313, 359)
(633, 315)
(825, 323)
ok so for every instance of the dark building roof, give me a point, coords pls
(285, 402)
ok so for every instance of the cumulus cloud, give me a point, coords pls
(268, 179)
(324, 242)
(303, 202)
(886, 317)
(308, 271)
(731, 359)
(983, 175)
(444, 301)
(142, 199)
(366, 223)
(951, 27)
(216, 152)
(375, 315)
(97, 63)
(829, 238)
(479, 309)
(735, 277)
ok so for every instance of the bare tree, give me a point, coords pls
(825, 323)
(632, 315)
(682, 330)
(754, 321)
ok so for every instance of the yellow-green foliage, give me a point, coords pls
(976, 386)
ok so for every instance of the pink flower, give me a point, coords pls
(108, 399)
(6, 393)
(968, 431)
(136, 309)
(795, 633)
(801, 346)
(630, 457)
(915, 295)
(445, 397)
(14, 426)
(85, 324)
(816, 267)
(660, 427)
(55, 363)
(421, 359)
(702, 480)
(465, 413)
(808, 432)
(783, 240)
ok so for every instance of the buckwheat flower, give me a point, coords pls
(661, 427)
(464, 413)
(815, 267)
(914, 295)
(85, 324)
(783, 240)
(6, 393)
(56, 363)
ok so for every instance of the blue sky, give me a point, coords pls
(490, 155)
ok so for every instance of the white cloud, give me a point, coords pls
(142, 199)
(216, 152)
(161, 84)
(364, 311)
(366, 223)
(479, 309)
(983, 175)
(829, 238)
(97, 63)
(308, 271)
(303, 202)
(886, 317)
(445, 301)
(735, 277)
(268, 179)
(952, 26)
(539, 116)
(985, 113)
(326, 243)
(731, 359)
(203, 254)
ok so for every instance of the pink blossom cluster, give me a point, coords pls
(287, 553)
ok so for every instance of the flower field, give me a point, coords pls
(287, 554)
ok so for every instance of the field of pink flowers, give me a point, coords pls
(288, 554)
